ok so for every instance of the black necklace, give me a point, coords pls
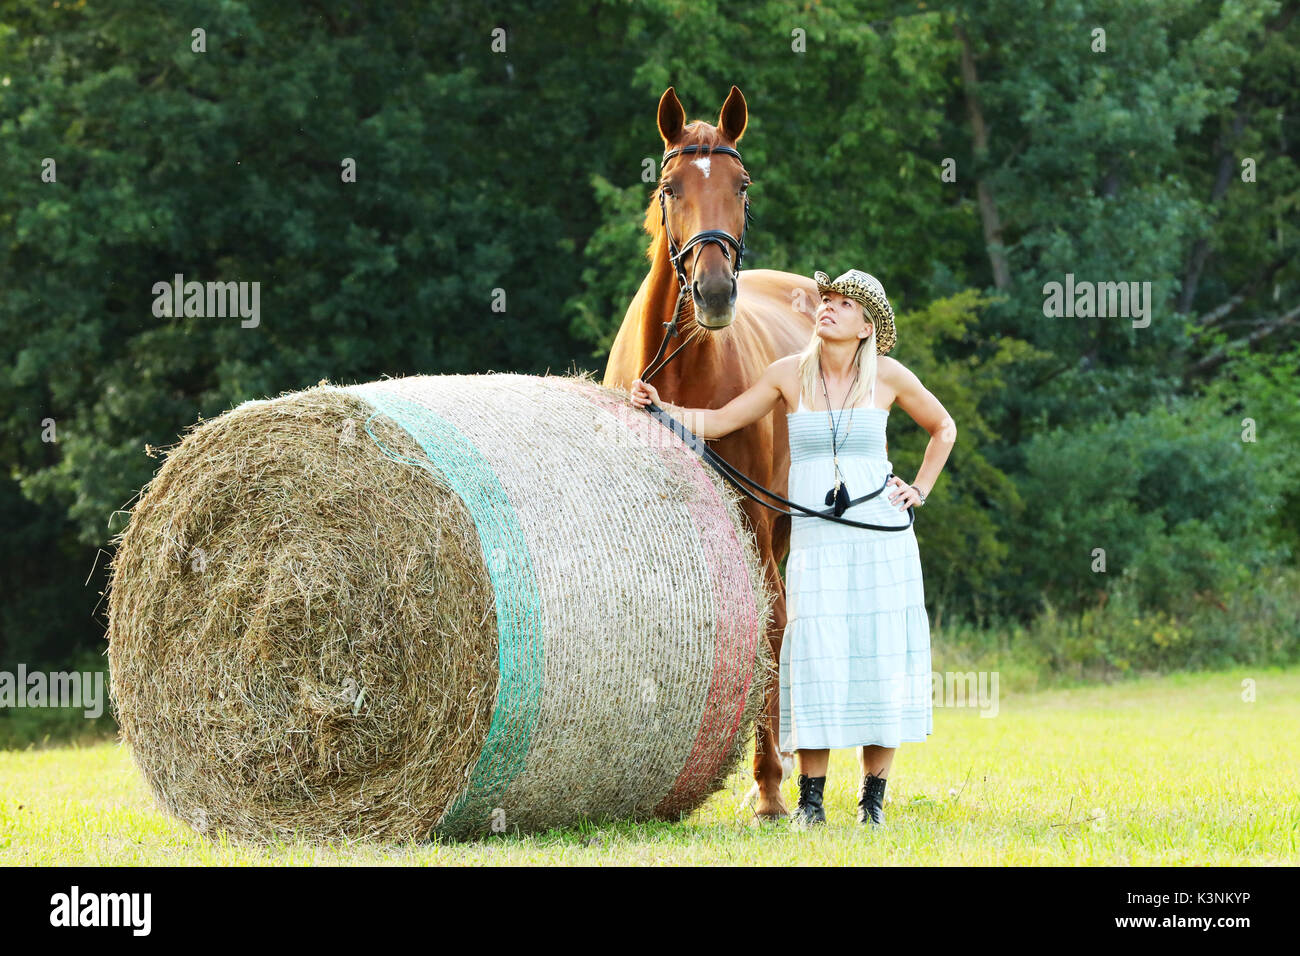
(839, 495)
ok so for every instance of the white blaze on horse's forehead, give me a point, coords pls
(703, 164)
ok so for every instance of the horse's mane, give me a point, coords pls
(698, 133)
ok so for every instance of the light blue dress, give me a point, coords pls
(855, 659)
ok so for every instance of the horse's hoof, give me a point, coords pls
(765, 820)
(771, 810)
(767, 811)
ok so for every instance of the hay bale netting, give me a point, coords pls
(443, 604)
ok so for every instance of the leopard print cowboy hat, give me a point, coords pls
(865, 289)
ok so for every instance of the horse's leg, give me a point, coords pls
(768, 771)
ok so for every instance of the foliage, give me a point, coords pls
(1161, 504)
(961, 552)
(522, 173)
(1257, 625)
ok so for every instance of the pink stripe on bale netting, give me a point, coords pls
(737, 615)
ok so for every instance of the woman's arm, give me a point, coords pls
(709, 423)
(928, 412)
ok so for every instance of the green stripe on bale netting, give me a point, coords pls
(520, 648)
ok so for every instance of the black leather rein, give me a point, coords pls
(696, 444)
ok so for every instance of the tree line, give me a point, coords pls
(391, 178)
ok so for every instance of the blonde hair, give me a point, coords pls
(810, 367)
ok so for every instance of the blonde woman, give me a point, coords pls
(855, 658)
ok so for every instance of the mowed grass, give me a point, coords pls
(1174, 770)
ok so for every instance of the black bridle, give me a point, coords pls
(676, 255)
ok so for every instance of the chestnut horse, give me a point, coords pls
(734, 326)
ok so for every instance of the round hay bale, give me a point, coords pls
(449, 605)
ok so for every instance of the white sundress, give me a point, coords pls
(855, 658)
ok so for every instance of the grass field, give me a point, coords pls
(1176, 770)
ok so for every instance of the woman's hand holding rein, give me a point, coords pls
(643, 393)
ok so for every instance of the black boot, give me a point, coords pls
(871, 803)
(810, 812)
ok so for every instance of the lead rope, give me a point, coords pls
(733, 475)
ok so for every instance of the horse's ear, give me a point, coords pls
(672, 118)
(734, 116)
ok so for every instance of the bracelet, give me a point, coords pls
(920, 494)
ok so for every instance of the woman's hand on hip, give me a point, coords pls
(904, 495)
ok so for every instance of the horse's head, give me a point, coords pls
(704, 209)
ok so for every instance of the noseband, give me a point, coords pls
(677, 256)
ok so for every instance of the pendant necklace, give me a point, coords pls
(839, 495)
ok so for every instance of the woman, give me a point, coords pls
(855, 658)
